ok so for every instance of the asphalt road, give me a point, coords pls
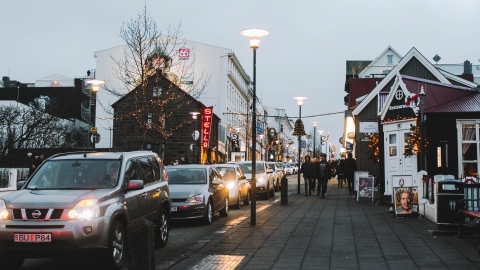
(183, 236)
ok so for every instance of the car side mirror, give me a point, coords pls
(243, 177)
(20, 184)
(135, 185)
(217, 182)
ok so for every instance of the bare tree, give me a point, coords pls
(27, 127)
(149, 58)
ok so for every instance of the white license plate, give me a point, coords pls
(33, 237)
(174, 209)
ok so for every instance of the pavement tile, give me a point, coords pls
(336, 233)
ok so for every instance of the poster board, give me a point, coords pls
(365, 187)
(356, 174)
(406, 201)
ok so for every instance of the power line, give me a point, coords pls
(308, 116)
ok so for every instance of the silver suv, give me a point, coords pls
(84, 201)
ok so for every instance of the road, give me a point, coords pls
(183, 236)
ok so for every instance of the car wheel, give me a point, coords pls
(208, 214)
(246, 201)
(224, 211)
(116, 247)
(267, 193)
(272, 191)
(162, 231)
(239, 200)
(11, 262)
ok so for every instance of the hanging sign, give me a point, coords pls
(207, 114)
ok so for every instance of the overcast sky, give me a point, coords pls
(304, 54)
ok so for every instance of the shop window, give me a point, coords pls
(468, 133)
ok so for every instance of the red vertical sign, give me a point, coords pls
(206, 126)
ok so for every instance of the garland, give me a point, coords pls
(374, 149)
(413, 142)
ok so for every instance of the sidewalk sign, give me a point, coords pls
(357, 174)
(405, 206)
(365, 187)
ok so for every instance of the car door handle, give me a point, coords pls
(143, 195)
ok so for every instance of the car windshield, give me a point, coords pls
(228, 173)
(272, 166)
(247, 167)
(179, 175)
(75, 174)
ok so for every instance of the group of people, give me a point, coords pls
(320, 170)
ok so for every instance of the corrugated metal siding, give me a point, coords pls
(416, 69)
(364, 163)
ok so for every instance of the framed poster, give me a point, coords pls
(356, 174)
(365, 186)
(406, 201)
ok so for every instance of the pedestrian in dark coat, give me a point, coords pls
(323, 173)
(308, 173)
(350, 168)
(340, 172)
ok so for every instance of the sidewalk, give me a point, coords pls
(332, 233)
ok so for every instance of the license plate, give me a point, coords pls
(174, 209)
(33, 237)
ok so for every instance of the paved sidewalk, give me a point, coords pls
(332, 233)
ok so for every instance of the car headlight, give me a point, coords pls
(85, 209)
(230, 185)
(195, 199)
(3, 210)
(260, 180)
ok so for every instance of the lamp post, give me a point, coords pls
(299, 131)
(95, 88)
(314, 132)
(194, 135)
(254, 35)
(422, 129)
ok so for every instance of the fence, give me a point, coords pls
(22, 173)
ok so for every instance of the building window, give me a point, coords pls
(468, 152)
(389, 59)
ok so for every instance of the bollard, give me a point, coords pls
(284, 190)
(141, 244)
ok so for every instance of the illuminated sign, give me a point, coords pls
(207, 114)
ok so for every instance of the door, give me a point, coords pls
(135, 200)
(395, 161)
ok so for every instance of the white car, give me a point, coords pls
(264, 180)
(289, 169)
(277, 174)
(236, 183)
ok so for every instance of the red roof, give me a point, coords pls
(441, 97)
(360, 87)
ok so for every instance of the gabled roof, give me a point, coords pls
(360, 87)
(439, 97)
(412, 53)
(458, 79)
(375, 61)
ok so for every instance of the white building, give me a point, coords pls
(228, 90)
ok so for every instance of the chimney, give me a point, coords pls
(5, 78)
(467, 67)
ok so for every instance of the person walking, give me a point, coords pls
(349, 169)
(308, 173)
(340, 172)
(323, 172)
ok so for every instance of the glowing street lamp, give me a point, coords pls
(95, 88)
(254, 35)
(299, 131)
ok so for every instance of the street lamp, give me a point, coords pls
(314, 132)
(194, 135)
(95, 88)
(299, 131)
(254, 35)
(422, 129)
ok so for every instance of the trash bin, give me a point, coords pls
(449, 193)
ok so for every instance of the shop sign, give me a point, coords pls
(207, 113)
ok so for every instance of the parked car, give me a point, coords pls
(198, 192)
(289, 169)
(237, 184)
(84, 200)
(264, 181)
(281, 165)
(277, 175)
(295, 167)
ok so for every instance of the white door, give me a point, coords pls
(395, 161)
